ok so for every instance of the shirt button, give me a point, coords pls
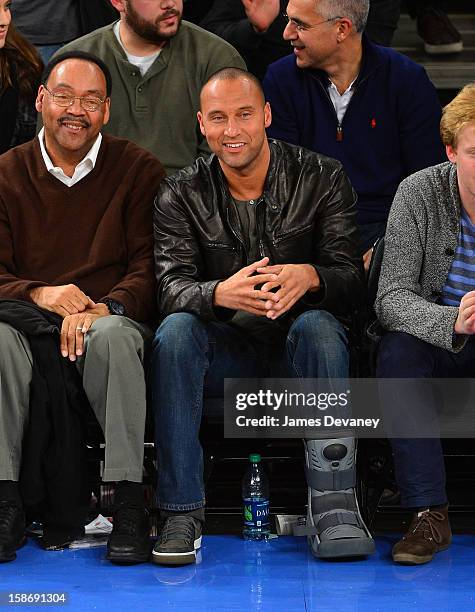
(139, 90)
(133, 73)
(251, 201)
(274, 207)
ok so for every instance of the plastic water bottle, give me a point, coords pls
(255, 495)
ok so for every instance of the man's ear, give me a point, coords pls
(39, 99)
(119, 5)
(451, 153)
(345, 28)
(199, 115)
(267, 115)
(107, 111)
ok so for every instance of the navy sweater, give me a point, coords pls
(389, 131)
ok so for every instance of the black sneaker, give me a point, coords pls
(438, 32)
(12, 530)
(179, 539)
(129, 541)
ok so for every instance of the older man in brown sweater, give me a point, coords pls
(76, 240)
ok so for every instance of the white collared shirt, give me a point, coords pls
(340, 101)
(85, 166)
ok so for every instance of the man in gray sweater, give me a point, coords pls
(158, 64)
(426, 302)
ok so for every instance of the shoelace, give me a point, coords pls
(178, 528)
(427, 523)
(7, 516)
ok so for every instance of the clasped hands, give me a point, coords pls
(292, 281)
(78, 311)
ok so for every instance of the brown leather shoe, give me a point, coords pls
(428, 533)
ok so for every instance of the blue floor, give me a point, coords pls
(278, 575)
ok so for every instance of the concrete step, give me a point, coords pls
(445, 71)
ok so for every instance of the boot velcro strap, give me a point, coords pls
(331, 481)
(337, 518)
(333, 501)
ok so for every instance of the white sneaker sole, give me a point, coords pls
(177, 558)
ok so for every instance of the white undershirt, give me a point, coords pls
(143, 63)
(340, 101)
(85, 166)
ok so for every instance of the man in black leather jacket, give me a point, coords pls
(257, 270)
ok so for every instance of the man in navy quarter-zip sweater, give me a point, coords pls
(368, 106)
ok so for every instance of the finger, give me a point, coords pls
(263, 295)
(260, 278)
(90, 303)
(465, 303)
(78, 302)
(71, 338)
(269, 286)
(274, 314)
(79, 337)
(468, 312)
(282, 304)
(70, 306)
(63, 340)
(62, 312)
(254, 311)
(270, 269)
(87, 324)
(248, 270)
(256, 305)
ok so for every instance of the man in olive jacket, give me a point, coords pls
(255, 253)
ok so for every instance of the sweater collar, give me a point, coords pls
(371, 60)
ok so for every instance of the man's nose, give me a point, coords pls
(290, 31)
(232, 128)
(76, 108)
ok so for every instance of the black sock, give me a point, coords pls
(127, 492)
(10, 491)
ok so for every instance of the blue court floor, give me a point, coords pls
(278, 575)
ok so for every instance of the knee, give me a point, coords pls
(112, 331)
(318, 327)
(401, 355)
(10, 341)
(179, 332)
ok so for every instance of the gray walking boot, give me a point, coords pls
(334, 526)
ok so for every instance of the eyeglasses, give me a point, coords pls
(303, 27)
(88, 103)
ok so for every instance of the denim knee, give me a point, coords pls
(317, 326)
(179, 332)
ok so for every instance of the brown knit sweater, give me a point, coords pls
(96, 234)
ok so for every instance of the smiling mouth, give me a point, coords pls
(76, 126)
(234, 145)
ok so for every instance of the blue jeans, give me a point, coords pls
(418, 462)
(190, 360)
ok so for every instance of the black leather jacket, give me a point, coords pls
(308, 217)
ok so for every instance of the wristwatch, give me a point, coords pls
(115, 307)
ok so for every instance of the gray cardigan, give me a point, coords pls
(420, 243)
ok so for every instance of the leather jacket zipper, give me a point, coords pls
(241, 242)
(259, 233)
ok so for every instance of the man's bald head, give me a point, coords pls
(233, 74)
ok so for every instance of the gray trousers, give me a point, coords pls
(113, 378)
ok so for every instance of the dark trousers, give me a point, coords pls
(419, 462)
